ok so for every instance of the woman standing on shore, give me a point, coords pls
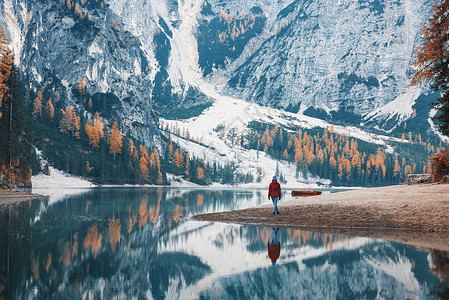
(274, 191)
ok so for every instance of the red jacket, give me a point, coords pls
(274, 190)
(274, 251)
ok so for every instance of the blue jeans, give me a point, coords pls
(275, 203)
(274, 240)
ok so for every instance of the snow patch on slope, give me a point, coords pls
(185, 47)
(401, 107)
(59, 179)
(58, 185)
(434, 127)
(228, 118)
(16, 36)
(248, 161)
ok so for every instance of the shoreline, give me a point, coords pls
(12, 196)
(413, 214)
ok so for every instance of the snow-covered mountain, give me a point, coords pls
(215, 64)
(56, 43)
(352, 56)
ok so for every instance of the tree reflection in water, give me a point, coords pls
(78, 248)
(440, 267)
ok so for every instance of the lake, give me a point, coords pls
(139, 243)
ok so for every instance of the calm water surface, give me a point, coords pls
(139, 243)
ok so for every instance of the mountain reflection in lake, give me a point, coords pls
(126, 243)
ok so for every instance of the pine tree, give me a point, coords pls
(17, 154)
(115, 140)
(187, 164)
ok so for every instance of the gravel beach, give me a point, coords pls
(411, 214)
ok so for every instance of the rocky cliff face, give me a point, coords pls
(347, 56)
(56, 43)
(343, 55)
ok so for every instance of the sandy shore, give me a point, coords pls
(412, 214)
(13, 196)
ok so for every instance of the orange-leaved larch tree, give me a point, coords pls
(144, 160)
(157, 162)
(98, 125)
(179, 158)
(5, 64)
(132, 150)
(200, 173)
(37, 105)
(397, 168)
(432, 60)
(70, 122)
(81, 85)
(133, 153)
(440, 165)
(50, 109)
(285, 154)
(115, 140)
(114, 232)
(93, 239)
(93, 136)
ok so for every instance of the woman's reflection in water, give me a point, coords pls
(274, 247)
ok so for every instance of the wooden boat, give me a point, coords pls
(305, 193)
